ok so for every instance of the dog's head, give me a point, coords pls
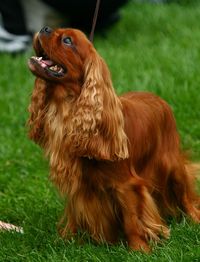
(60, 55)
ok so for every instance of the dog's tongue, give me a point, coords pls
(47, 62)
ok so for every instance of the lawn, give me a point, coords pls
(155, 47)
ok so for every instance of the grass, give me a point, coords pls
(154, 48)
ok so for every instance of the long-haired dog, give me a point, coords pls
(116, 159)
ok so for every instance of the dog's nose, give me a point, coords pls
(46, 30)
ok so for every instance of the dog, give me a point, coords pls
(117, 159)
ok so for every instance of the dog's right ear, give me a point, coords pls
(37, 111)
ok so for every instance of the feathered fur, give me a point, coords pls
(116, 159)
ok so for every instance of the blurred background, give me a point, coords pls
(20, 19)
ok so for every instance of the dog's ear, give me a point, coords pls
(37, 111)
(98, 123)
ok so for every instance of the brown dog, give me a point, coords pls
(117, 159)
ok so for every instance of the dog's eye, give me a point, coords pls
(67, 40)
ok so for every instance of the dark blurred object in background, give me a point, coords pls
(80, 13)
(21, 16)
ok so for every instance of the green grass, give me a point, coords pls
(154, 48)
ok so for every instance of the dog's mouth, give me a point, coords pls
(49, 66)
(44, 66)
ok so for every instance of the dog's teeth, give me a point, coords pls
(55, 68)
(38, 58)
(52, 68)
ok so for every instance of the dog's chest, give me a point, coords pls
(64, 167)
(55, 125)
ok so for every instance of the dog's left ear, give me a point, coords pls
(37, 111)
(98, 122)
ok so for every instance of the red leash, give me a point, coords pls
(94, 21)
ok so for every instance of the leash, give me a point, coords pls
(94, 21)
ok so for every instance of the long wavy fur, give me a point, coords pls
(97, 126)
(116, 160)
